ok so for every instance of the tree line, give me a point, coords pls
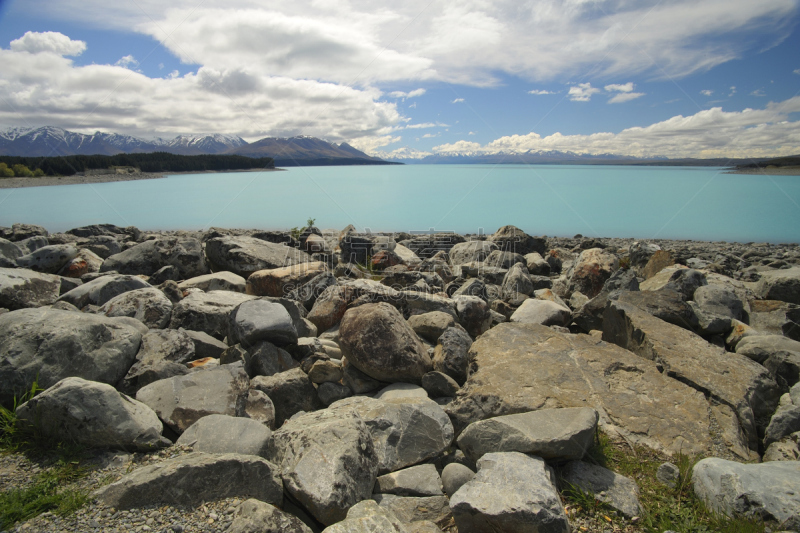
(151, 162)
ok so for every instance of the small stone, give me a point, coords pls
(668, 474)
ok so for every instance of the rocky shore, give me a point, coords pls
(247, 380)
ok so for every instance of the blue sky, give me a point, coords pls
(700, 78)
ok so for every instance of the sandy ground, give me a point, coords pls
(15, 183)
(785, 171)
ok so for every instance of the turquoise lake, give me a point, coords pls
(698, 203)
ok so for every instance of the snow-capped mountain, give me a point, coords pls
(205, 143)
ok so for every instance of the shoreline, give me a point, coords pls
(785, 171)
(49, 181)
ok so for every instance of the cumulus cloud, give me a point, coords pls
(410, 94)
(425, 125)
(402, 153)
(48, 41)
(48, 89)
(707, 92)
(623, 88)
(624, 97)
(707, 134)
(362, 41)
(127, 61)
(541, 92)
(582, 92)
(624, 93)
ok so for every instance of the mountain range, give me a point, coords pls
(49, 141)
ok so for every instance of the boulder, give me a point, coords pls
(217, 281)
(162, 354)
(511, 492)
(207, 311)
(367, 517)
(679, 279)
(513, 239)
(536, 264)
(767, 491)
(205, 345)
(640, 253)
(781, 285)
(93, 414)
(356, 380)
(451, 355)
(474, 314)
(439, 384)
(20, 288)
(195, 479)
(184, 253)
(526, 367)
(666, 304)
(553, 434)
(49, 259)
(327, 460)
(745, 393)
(9, 252)
(181, 401)
(786, 449)
(454, 476)
(259, 320)
(260, 408)
(149, 306)
(84, 263)
(245, 255)
(329, 307)
(719, 301)
(377, 340)
(419, 302)
(19, 232)
(400, 390)
(430, 326)
(619, 492)
(593, 268)
(466, 252)
(326, 371)
(420, 480)
(103, 246)
(308, 293)
(780, 355)
(102, 289)
(660, 260)
(775, 318)
(330, 392)
(404, 431)
(281, 281)
(784, 422)
(260, 359)
(48, 345)
(291, 392)
(545, 312)
(517, 283)
(410, 509)
(254, 516)
(227, 434)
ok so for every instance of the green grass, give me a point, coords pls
(665, 508)
(50, 490)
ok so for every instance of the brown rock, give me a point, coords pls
(280, 281)
(659, 261)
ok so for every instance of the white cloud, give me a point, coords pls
(413, 106)
(410, 94)
(431, 135)
(796, 71)
(623, 88)
(541, 92)
(48, 89)
(706, 134)
(471, 133)
(49, 41)
(363, 41)
(173, 74)
(161, 66)
(624, 97)
(402, 153)
(733, 90)
(707, 92)
(758, 92)
(127, 61)
(457, 101)
(425, 125)
(582, 92)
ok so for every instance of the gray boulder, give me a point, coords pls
(260, 408)
(474, 314)
(772, 317)
(517, 283)
(205, 345)
(511, 492)
(103, 289)
(48, 259)
(784, 422)
(227, 434)
(19, 232)
(410, 509)
(184, 253)
(20, 289)
(782, 285)
(430, 326)
(786, 449)
(536, 264)
(504, 259)
(93, 414)
(327, 460)
(162, 354)
(291, 392)
(717, 300)
(9, 252)
(466, 252)
(561, 434)
(767, 491)
(259, 320)
(207, 311)
(48, 345)
(149, 305)
(618, 491)
(183, 400)
(513, 239)
(668, 305)
(439, 384)
(216, 281)
(451, 355)
(254, 516)
(405, 431)
(593, 267)
(367, 517)
(378, 341)
(682, 280)
(400, 390)
(261, 359)
(420, 480)
(326, 371)
(454, 476)
(544, 312)
(330, 392)
(780, 355)
(194, 479)
(245, 255)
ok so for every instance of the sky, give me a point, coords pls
(646, 78)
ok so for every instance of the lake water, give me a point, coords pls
(698, 203)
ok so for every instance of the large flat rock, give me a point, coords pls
(732, 381)
(245, 255)
(184, 253)
(21, 288)
(207, 311)
(525, 367)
